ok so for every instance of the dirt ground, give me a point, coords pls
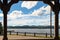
(21, 37)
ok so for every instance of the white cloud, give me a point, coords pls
(29, 4)
(48, 9)
(18, 18)
(15, 14)
(27, 19)
(40, 11)
(1, 15)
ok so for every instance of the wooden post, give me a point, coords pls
(25, 33)
(34, 34)
(51, 22)
(5, 26)
(56, 25)
(56, 10)
(10, 32)
(46, 34)
(17, 33)
(5, 7)
(55, 7)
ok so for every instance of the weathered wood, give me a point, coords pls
(5, 26)
(46, 35)
(55, 7)
(36, 0)
(56, 10)
(5, 7)
(56, 25)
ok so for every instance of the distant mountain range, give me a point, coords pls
(38, 27)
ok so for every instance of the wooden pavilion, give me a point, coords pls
(5, 7)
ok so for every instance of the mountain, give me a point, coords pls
(26, 26)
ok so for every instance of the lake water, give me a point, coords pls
(33, 30)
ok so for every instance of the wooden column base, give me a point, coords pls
(5, 38)
(56, 38)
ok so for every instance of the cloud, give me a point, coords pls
(48, 9)
(41, 11)
(32, 19)
(29, 21)
(29, 4)
(16, 17)
(15, 14)
(1, 15)
(38, 11)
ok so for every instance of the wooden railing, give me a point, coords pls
(25, 33)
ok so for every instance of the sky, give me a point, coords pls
(29, 13)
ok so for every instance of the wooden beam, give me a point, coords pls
(5, 2)
(0, 3)
(35, 0)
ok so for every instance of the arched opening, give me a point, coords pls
(35, 19)
(7, 9)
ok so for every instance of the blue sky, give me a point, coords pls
(17, 6)
(28, 13)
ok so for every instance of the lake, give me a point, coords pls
(33, 30)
